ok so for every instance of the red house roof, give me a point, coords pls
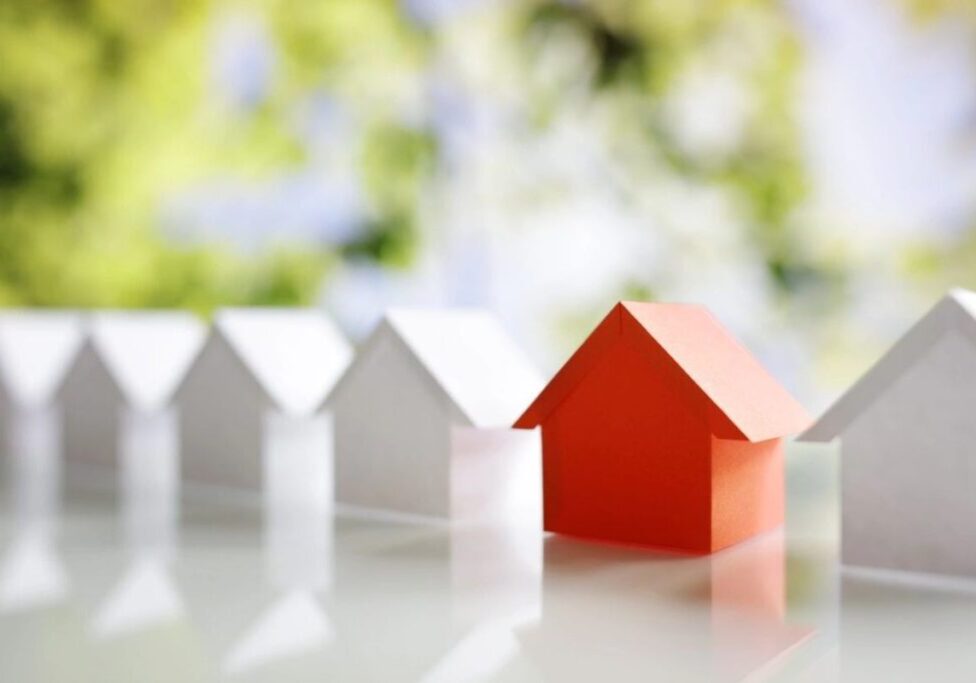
(749, 403)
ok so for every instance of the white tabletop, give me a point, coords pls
(89, 594)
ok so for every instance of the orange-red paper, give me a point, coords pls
(662, 430)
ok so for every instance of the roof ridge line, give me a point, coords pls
(898, 359)
(386, 327)
(525, 418)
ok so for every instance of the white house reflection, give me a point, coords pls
(144, 597)
(905, 627)
(293, 625)
(298, 552)
(147, 594)
(481, 577)
(496, 588)
(31, 571)
(483, 652)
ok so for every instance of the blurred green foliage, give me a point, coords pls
(107, 108)
(931, 9)
(643, 48)
(395, 163)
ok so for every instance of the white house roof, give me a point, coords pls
(955, 311)
(37, 349)
(295, 355)
(471, 359)
(147, 353)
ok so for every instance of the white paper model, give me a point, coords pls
(36, 350)
(117, 397)
(907, 433)
(251, 399)
(422, 417)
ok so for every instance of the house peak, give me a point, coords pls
(954, 311)
(37, 349)
(965, 298)
(147, 353)
(469, 358)
(295, 354)
(751, 400)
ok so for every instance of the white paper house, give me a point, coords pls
(422, 419)
(250, 404)
(37, 349)
(907, 432)
(118, 395)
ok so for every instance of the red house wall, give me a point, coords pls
(627, 456)
(747, 489)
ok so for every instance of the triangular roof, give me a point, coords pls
(469, 358)
(146, 353)
(955, 311)
(295, 355)
(750, 403)
(37, 349)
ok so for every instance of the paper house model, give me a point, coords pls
(120, 388)
(662, 430)
(251, 399)
(906, 432)
(37, 349)
(422, 418)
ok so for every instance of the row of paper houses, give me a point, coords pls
(662, 430)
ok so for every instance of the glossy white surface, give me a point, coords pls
(91, 594)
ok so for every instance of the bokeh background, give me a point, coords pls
(806, 167)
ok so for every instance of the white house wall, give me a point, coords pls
(32, 438)
(220, 408)
(91, 404)
(36, 352)
(298, 466)
(392, 435)
(909, 469)
(148, 476)
(496, 475)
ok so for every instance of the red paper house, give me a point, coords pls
(662, 430)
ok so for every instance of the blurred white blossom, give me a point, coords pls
(242, 59)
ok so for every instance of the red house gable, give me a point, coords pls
(662, 430)
(747, 402)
